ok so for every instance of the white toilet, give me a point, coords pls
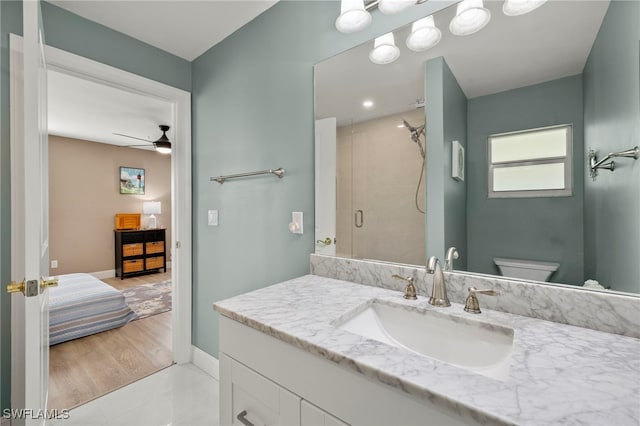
(533, 270)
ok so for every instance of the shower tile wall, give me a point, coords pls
(378, 167)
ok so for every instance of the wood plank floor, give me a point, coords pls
(83, 369)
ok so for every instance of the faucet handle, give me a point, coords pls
(452, 254)
(410, 291)
(472, 305)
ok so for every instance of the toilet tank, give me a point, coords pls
(534, 270)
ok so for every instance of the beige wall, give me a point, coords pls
(378, 167)
(84, 196)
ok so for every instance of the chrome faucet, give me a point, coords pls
(452, 254)
(439, 291)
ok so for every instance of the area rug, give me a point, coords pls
(149, 299)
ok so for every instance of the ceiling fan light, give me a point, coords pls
(353, 16)
(520, 7)
(384, 50)
(163, 147)
(424, 35)
(471, 17)
(391, 7)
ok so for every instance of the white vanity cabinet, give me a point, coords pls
(253, 398)
(310, 415)
(256, 400)
(277, 383)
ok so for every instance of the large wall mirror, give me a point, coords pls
(404, 168)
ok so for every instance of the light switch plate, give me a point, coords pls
(212, 218)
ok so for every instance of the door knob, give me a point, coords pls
(16, 287)
(326, 241)
(48, 282)
(22, 286)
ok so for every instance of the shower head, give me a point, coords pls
(416, 132)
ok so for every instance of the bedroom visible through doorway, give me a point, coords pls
(87, 368)
(106, 344)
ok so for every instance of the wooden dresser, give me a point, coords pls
(140, 252)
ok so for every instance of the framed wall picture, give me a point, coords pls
(131, 180)
(457, 161)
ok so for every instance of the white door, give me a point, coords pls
(325, 164)
(29, 219)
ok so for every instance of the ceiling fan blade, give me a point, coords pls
(132, 137)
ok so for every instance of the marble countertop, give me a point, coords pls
(559, 374)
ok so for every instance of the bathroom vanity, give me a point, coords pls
(291, 354)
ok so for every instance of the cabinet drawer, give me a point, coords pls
(155, 262)
(132, 249)
(157, 235)
(132, 237)
(255, 394)
(133, 265)
(155, 247)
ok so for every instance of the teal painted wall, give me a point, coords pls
(75, 34)
(612, 123)
(434, 180)
(547, 229)
(72, 33)
(253, 109)
(455, 192)
(446, 117)
(3, 330)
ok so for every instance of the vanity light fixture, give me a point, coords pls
(520, 7)
(391, 7)
(353, 16)
(367, 104)
(424, 35)
(384, 50)
(471, 17)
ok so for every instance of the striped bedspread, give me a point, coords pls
(82, 305)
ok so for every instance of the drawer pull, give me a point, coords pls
(243, 418)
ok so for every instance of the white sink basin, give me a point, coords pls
(479, 347)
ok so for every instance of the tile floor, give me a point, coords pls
(181, 395)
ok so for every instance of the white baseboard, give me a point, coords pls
(110, 274)
(207, 363)
(104, 274)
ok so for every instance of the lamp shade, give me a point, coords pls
(471, 17)
(520, 7)
(152, 207)
(391, 7)
(424, 35)
(353, 16)
(384, 50)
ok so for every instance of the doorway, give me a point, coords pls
(65, 62)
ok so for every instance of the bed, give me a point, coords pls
(82, 305)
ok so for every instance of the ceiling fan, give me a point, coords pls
(162, 145)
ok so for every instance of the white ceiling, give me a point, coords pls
(82, 109)
(86, 110)
(184, 28)
(510, 52)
